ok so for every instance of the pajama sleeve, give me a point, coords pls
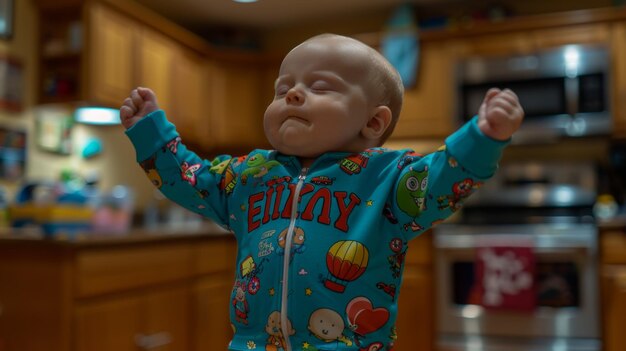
(430, 188)
(182, 176)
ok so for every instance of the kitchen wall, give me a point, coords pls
(115, 165)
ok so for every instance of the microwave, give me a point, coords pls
(564, 91)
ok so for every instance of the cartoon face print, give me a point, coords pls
(276, 340)
(326, 324)
(411, 192)
(149, 166)
(297, 243)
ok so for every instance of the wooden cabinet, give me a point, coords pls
(619, 83)
(237, 105)
(613, 279)
(428, 108)
(167, 295)
(109, 56)
(156, 320)
(416, 304)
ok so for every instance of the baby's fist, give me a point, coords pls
(141, 102)
(500, 114)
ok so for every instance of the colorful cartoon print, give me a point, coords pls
(328, 326)
(149, 166)
(276, 340)
(397, 259)
(346, 260)
(240, 303)
(258, 166)
(363, 318)
(460, 191)
(389, 289)
(173, 145)
(411, 195)
(297, 242)
(353, 164)
(188, 172)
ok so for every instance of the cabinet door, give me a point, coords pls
(108, 325)
(166, 324)
(110, 56)
(581, 34)
(156, 321)
(190, 94)
(415, 324)
(619, 83)
(211, 300)
(511, 43)
(236, 105)
(428, 107)
(614, 308)
(154, 64)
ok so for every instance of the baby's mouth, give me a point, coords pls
(299, 119)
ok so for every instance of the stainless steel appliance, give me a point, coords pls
(564, 91)
(550, 207)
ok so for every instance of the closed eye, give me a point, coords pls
(321, 86)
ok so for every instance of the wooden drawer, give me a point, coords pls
(613, 247)
(105, 270)
(216, 255)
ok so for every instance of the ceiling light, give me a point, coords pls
(97, 115)
(245, 1)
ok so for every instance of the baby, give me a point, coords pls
(323, 221)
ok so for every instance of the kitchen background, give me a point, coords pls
(213, 66)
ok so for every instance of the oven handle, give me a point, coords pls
(584, 250)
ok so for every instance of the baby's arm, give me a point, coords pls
(140, 103)
(180, 174)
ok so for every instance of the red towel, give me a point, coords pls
(505, 274)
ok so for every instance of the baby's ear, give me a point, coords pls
(379, 121)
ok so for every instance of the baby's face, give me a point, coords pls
(321, 100)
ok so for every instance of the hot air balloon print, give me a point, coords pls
(346, 260)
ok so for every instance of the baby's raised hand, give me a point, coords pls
(500, 114)
(140, 103)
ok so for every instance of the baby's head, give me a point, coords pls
(333, 93)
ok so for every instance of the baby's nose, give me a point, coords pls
(294, 96)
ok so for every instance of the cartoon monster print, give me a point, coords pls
(149, 166)
(188, 172)
(276, 341)
(328, 326)
(297, 243)
(396, 260)
(460, 191)
(364, 319)
(258, 166)
(240, 303)
(411, 195)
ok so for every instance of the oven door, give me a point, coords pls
(566, 312)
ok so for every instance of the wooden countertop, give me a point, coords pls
(136, 235)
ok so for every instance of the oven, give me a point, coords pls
(552, 220)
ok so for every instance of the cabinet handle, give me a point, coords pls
(152, 341)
